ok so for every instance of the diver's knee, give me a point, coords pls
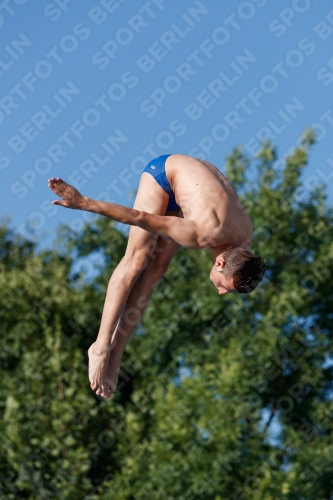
(136, 263)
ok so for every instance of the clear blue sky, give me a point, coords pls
(90, 91)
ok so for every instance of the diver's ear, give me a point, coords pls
(220, 263)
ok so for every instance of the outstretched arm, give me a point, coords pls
(180, 230)
(184, 232)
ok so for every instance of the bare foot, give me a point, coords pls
(113, 372)
(71, 197)
(98, 366)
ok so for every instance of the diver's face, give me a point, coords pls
(220, 281)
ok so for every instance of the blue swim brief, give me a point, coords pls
(156, 168)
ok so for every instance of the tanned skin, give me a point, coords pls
(211, 216)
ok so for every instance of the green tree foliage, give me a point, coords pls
(219, 397)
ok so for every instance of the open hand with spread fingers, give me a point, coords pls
(71, 198)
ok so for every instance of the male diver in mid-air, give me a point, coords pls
(181, 202)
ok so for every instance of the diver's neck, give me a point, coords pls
(217, 251)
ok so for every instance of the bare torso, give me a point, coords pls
(207, 197)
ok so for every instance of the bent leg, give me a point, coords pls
(137, 302)
(153, 199)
